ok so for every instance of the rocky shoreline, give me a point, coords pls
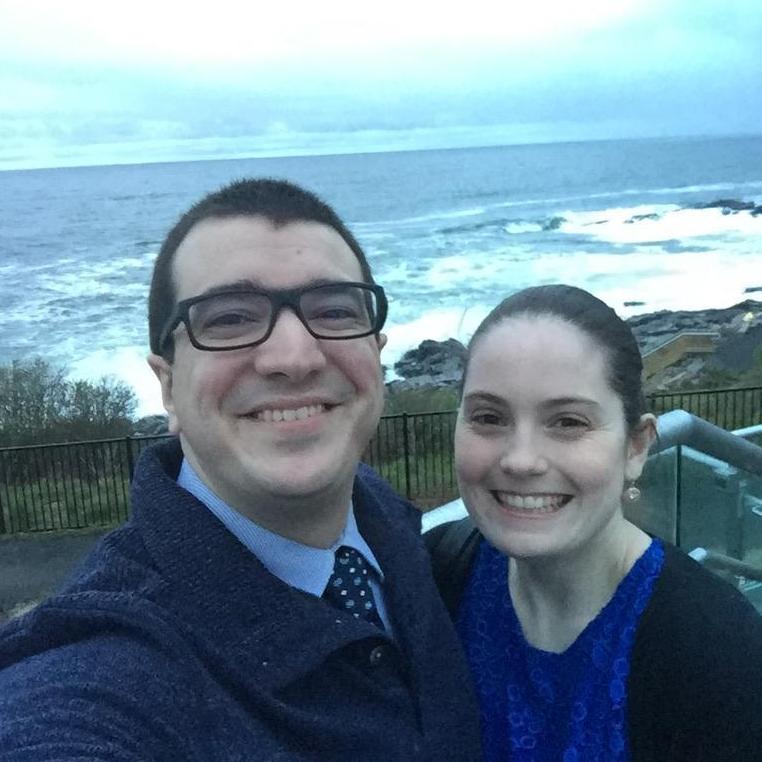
(739, 339)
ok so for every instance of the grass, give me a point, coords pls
(431, 477)
(57, 503)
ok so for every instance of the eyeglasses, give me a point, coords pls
(245, 317)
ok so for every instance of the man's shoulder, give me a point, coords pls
(77, 626)
(109, 591)
(119, 563)
(87, 620)
(93, 668)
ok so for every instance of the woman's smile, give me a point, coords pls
(531, 503)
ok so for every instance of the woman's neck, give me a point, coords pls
(555, 598)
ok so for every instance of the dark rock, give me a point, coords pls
(739, 330)
(634, 304)
(752, 289)
(553, 223)
(654, 328)
(151, 425)
(739, 351)
(431, 363)
(639, 217)
(729, 204)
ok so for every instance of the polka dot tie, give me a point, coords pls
(349, 587)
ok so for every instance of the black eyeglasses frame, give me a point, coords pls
(279, 298)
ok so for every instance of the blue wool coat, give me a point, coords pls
(174, 642)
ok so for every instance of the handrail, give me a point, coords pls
(720, 561)
(679, 427)
(749, 431)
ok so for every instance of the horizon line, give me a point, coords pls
(303, 153)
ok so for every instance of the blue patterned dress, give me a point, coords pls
(538, 706)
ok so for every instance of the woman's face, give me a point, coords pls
(541, 445)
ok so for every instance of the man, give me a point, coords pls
(267, 600)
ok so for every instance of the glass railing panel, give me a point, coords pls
(719, 509)
(696, 501)
(751, 518)
(708, 503)
(656, 511)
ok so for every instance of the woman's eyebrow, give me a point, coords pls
(480, 396)
(571, 400)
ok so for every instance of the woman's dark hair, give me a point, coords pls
(589, 314)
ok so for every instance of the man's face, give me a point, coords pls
(289, 418)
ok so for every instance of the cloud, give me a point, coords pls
(174, 32)
(308, 76)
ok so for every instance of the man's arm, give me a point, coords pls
(105, 698)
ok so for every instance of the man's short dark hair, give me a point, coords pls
(278, 201)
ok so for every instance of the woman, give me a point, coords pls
(588, 639)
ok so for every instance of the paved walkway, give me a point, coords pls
(34, 565)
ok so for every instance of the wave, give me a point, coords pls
(641, 223)
(658, 224)
(625, 192)
(517, 225)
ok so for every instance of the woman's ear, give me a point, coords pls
(639, 442)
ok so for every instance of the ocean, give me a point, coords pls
(448, 234)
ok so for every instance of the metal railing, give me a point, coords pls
(727, 408)
(73, 485)
(678, 428)
(86, 484)
(83, 484)
(413, 451)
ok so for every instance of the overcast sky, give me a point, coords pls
(100, 82)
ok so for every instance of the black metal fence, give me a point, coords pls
(413, 452)
(85, 484)
(727, 408)
(67, 486)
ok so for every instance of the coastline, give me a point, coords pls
(731, 346)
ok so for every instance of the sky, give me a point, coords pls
(85, 82)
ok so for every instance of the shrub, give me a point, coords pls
(39, 405)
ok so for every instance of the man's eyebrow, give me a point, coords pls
(238, 285)
(245, 284)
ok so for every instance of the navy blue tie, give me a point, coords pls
(349, 589)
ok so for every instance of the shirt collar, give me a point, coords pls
(298, 565)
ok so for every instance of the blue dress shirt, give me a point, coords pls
(300, 566)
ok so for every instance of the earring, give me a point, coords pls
(631, 494)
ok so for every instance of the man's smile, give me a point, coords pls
(301, 413)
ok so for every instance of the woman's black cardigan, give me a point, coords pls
(695, 685)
